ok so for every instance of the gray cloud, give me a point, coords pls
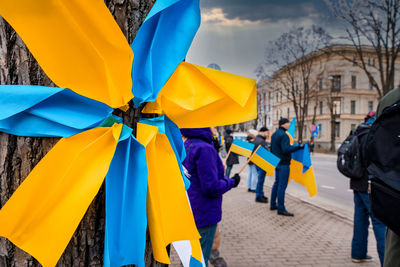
(270, 10)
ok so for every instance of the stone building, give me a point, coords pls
(265, 103)
(342, 95)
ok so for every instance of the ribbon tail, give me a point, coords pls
(78, 44)
(44, 212)
(126, 192)
(169, 215)
(190, 253)
(30, 110)
(195, 97)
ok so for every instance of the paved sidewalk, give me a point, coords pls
(252, 235)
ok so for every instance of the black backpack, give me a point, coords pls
(383, 161)
(349, 161)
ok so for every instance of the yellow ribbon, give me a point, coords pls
(168, 211)
(196, 97)
(78, 45)
(63, 185)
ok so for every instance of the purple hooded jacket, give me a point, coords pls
(207, 178)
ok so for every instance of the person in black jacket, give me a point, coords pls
(280, 146)
(260, 141)
(362, 209)
(233, 158)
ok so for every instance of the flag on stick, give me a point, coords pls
(242, 148)
(265, 160)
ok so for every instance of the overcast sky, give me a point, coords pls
(235, 33)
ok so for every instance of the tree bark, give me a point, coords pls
(19, 155)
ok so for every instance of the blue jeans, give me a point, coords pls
(260, 182)
(252, 177)
(279, 187)
(207, 234)
(362, 213)
(228, 171)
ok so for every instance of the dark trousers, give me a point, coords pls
(260, 182)
(362, 213)
(228, 170)
(207, 234)
(279, 187)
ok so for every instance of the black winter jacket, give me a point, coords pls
(233, 157)
(361, 184)
(280, 146)
(260, 141)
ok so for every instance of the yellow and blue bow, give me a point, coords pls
(81, 48)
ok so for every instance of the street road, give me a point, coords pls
(333, 188)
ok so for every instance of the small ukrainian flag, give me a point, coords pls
(265, 160)
(242, 148)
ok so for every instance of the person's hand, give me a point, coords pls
(236, 177)
(301, 146)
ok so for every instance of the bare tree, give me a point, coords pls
(373, 23)
(290, 57)
(18, 155)
(327, 92)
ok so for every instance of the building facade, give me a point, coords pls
(265, 103)
(342, 96)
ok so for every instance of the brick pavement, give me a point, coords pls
(252, 235)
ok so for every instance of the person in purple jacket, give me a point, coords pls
(207, 184)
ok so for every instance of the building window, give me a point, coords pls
(336, 83)
(321, 84)
(373, 62)
(353, 127)
(277, 115)
(336, 107)
(288, 113)
(353, 82)
(354, 61)
(305, 131)
(277, 96)
(337, 129)
(369, 62)
(320, 130)
(371, 86)
(353, 107)
(370, 105)
(321, 108)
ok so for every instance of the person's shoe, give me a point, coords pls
(216, 260)
(266, 199)
(261, 200)
(251, 190)
(285, 213)
(273, 208)
(367, 259)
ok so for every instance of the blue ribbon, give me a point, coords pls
(126, 193)
(161, 44)
(38, 111)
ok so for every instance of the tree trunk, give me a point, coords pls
(19, 155)
(333, 132)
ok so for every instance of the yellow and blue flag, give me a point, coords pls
(301, 170)
(265, 160)
(242, 148)
(292, 130)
